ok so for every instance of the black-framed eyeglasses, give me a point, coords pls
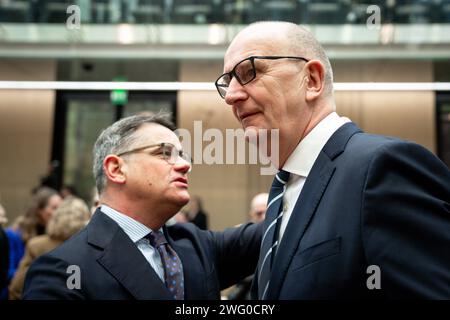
(244, 72)
(166, 151)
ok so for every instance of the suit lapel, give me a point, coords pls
(123, 260)
(305, 207)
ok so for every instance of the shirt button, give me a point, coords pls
(285, 207)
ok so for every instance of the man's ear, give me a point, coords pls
(315, 79)
(115, 169)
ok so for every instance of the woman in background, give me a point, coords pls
(69, 218)
(43, 203)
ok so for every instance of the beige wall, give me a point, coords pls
(26, 127)
(227, 189)
(409, 115)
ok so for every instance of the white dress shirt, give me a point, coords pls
(302, 159)
(137, 231)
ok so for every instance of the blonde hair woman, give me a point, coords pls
(72, 215)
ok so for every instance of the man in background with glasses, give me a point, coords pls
(350, 215)
(126, 252)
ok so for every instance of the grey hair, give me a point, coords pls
(305, 43)
(119, 137)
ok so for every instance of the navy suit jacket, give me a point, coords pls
(368, 200)
(112, 267)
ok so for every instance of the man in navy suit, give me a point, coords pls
(126, 252)
(351, 215)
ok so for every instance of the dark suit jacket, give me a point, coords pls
(368, 200)
(201, 220)
(4, 259)
(112, 267)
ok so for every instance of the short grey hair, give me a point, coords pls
(119, 137)
(304, 42)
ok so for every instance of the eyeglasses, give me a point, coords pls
(245, 72)
(166, 151)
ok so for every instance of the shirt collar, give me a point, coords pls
(305, 154)
(134, 229)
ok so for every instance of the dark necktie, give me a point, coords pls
(173, 271)
(269, 242)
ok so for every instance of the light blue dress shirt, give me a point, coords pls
(137, 231)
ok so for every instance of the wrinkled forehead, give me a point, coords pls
(153, 133)
(254, 42)
(239, 50)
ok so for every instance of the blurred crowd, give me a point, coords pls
(51, 218)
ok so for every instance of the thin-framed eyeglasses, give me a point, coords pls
(166, 151)
(244, 72)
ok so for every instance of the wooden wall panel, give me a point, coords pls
(408, 115)
(26, 128)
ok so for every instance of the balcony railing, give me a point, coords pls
(309, 12)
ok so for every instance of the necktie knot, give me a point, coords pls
(281, 178)
(278, 184)
(156, 239)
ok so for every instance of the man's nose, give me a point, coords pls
(182, 165)
(235, 92)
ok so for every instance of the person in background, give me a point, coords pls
(51, 180)
(3, 217)
(13, 240)
(43, 203)
(4, 259)
(195, 214)
(67, 191)
(70, 217)
(258, 207)
(16, 252)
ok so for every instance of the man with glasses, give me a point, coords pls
(350, 215)
(126, 252)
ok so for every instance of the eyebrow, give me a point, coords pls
(238, 61)
(233, 65)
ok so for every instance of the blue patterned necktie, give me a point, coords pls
(269, 243)
(173, 271)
